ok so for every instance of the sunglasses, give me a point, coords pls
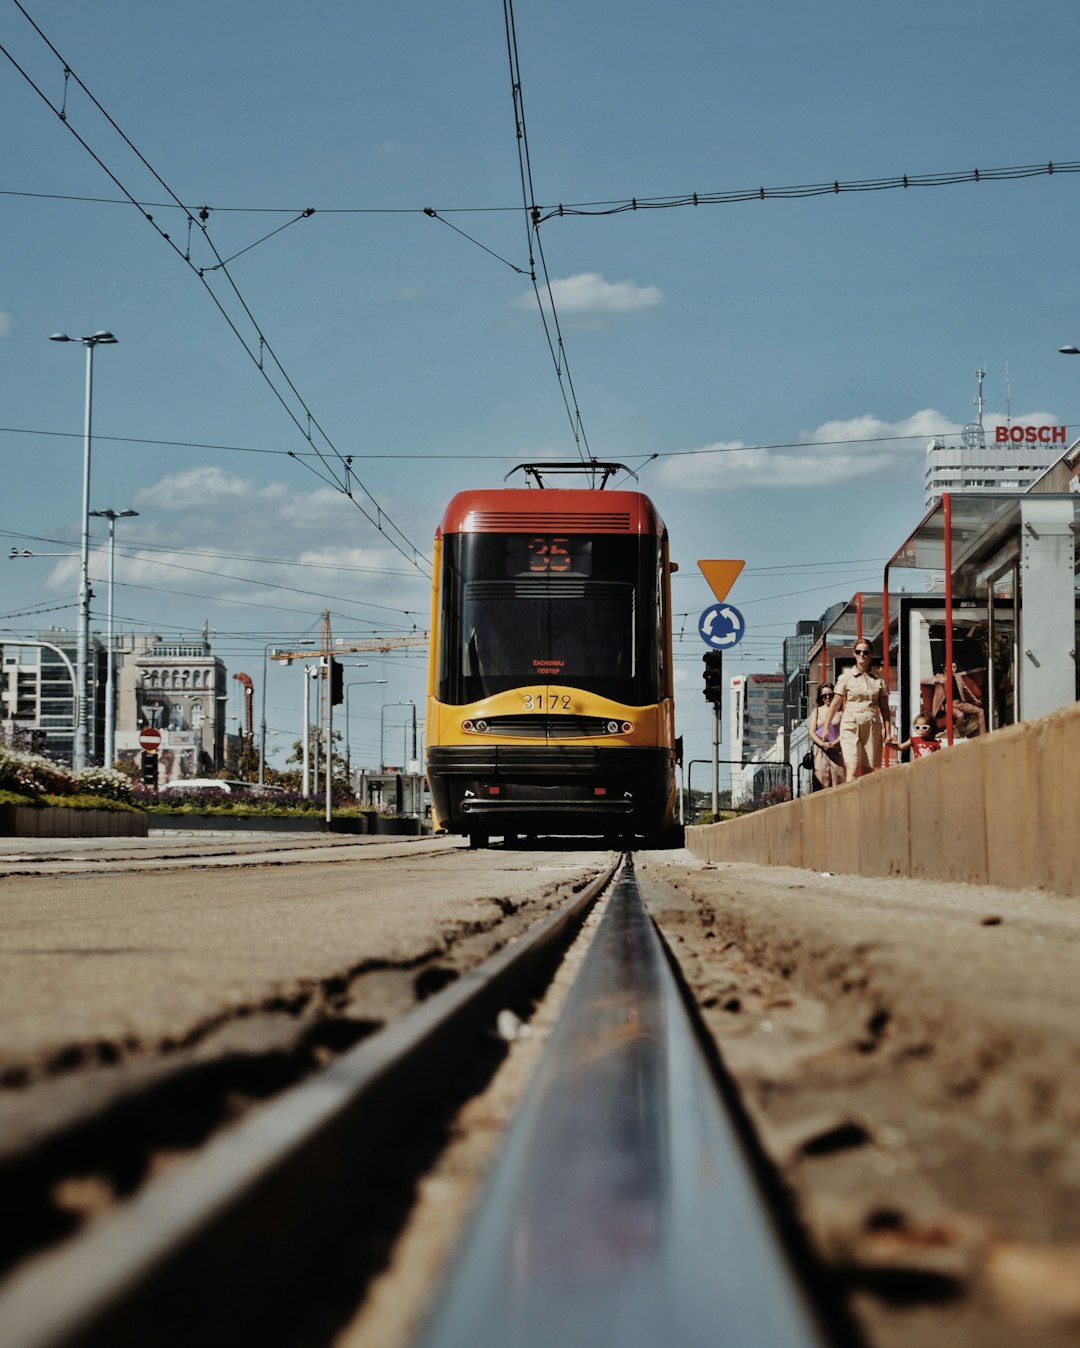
(921, 728)
(862, 651)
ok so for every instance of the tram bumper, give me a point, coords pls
(548, 788)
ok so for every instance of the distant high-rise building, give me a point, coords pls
(756, 709)
(1009, 460)
(37, 694)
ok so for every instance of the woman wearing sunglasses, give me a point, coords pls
(861, 701)
(825, 738)
(922, 741)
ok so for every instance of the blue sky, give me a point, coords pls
(704, 335)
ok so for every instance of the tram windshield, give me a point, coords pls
(555, 609)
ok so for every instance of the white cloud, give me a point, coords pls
(206, 489)
(225, 537)
(836, 452)
(589, 293)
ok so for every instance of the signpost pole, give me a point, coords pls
(716, 763)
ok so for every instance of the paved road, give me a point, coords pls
(129, 945)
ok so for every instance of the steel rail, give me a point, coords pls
(623, 1210)
(213, 1250)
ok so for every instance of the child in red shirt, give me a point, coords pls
(922, 741)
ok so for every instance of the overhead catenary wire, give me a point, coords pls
(497, 455)
(723, 197)
(341, 477)
(556, 345)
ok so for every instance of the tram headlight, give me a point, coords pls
(627, 727)
(474, 727)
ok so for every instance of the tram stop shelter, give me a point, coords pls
(831, 653)
(989, 594)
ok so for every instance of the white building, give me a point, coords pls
(756, 712)
(179, 686)
(983, 464)
(37, 693)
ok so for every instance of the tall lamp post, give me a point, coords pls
(358, 683)
(81, 751)
(110, 655)
(267, 649)
(382, 730)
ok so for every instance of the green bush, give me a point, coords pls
(76, 802)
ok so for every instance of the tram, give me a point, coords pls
(550, 702)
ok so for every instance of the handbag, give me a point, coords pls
(808, 759)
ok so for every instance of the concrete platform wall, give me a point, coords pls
(999, 810)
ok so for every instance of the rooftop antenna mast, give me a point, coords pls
(973, 435)
(1008, 397)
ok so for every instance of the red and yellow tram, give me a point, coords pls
(550, 702)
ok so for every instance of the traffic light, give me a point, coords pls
(714, 676)
(337, 682)
(149, 769)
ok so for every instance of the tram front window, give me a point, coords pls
(553, 610)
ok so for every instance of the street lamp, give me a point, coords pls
(310, 672)
(110, 655)
(382, 731)
(81, 750)
(358, 683)
(267, 649)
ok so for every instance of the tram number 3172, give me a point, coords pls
(550, 702)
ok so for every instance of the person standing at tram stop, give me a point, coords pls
(825, 738)
(861, 701)
(922, 741)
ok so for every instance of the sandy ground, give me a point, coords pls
(909, 1056)
(907, 1052)
(108, 955)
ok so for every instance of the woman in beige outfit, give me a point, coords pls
(861, 700)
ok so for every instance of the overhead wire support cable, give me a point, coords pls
(434, 215)
(329, 475)
(1044, 169)
(901, 182)
(556, 347)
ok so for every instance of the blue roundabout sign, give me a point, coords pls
(722, 626)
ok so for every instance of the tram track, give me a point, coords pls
(179, 853)
(250, 1238)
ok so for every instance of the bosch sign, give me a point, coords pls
(1030, 435)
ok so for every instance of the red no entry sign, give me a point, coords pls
(150, 739)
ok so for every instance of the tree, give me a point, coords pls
(340, 779)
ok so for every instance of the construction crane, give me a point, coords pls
(249, 728)
(378, 644)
